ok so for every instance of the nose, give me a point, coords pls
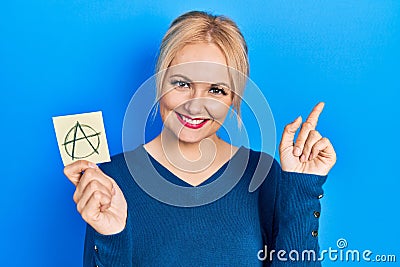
(195, 106)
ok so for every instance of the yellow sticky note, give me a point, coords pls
(82, 136)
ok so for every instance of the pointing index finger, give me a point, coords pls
(313, 117)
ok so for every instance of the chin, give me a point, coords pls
(191, 138)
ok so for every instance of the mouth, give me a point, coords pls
(192, 123)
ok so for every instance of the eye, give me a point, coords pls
(217, 91)
(180, 84)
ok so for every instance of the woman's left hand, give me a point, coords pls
(311, 153)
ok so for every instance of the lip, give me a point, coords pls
(190, 125)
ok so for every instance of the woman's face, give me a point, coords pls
(196, 93)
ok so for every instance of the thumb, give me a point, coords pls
(74, 170)
(289, 133)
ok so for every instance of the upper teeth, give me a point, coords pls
(192, 121)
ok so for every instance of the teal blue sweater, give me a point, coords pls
(239, 229)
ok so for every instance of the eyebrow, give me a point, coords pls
(189, 80)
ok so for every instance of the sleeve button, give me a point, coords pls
(96, 249)
(314, 233)
(317, 214)
(320, 196)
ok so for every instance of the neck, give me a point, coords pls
(192, 151)
(190, 157)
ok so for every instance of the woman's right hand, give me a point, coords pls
(98, 198)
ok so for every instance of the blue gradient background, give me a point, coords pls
(66, 57)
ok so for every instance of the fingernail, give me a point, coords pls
(297, 151)
(92, 165)
(113, 191)
(303, 158)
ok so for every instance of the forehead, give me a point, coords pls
(199, 52)
(202, 62)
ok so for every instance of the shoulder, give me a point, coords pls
(263, 168)
(120, 160)
(261, 159)
(116, 162)
(119, 169)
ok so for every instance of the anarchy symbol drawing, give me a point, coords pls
(81, 141)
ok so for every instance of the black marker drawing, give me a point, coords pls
(91, 136)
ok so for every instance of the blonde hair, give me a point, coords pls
(201, 27)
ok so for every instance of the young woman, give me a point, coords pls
(196, 88)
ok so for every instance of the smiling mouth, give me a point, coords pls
(193, 123)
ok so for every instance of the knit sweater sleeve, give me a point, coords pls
(108, 250)
(296, 219)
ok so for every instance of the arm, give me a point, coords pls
(306, 163)
(289, 213)
(102, 205)
(297, 219)
(108, 250)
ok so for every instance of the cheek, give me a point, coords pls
(219, 110)
(169, 102)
